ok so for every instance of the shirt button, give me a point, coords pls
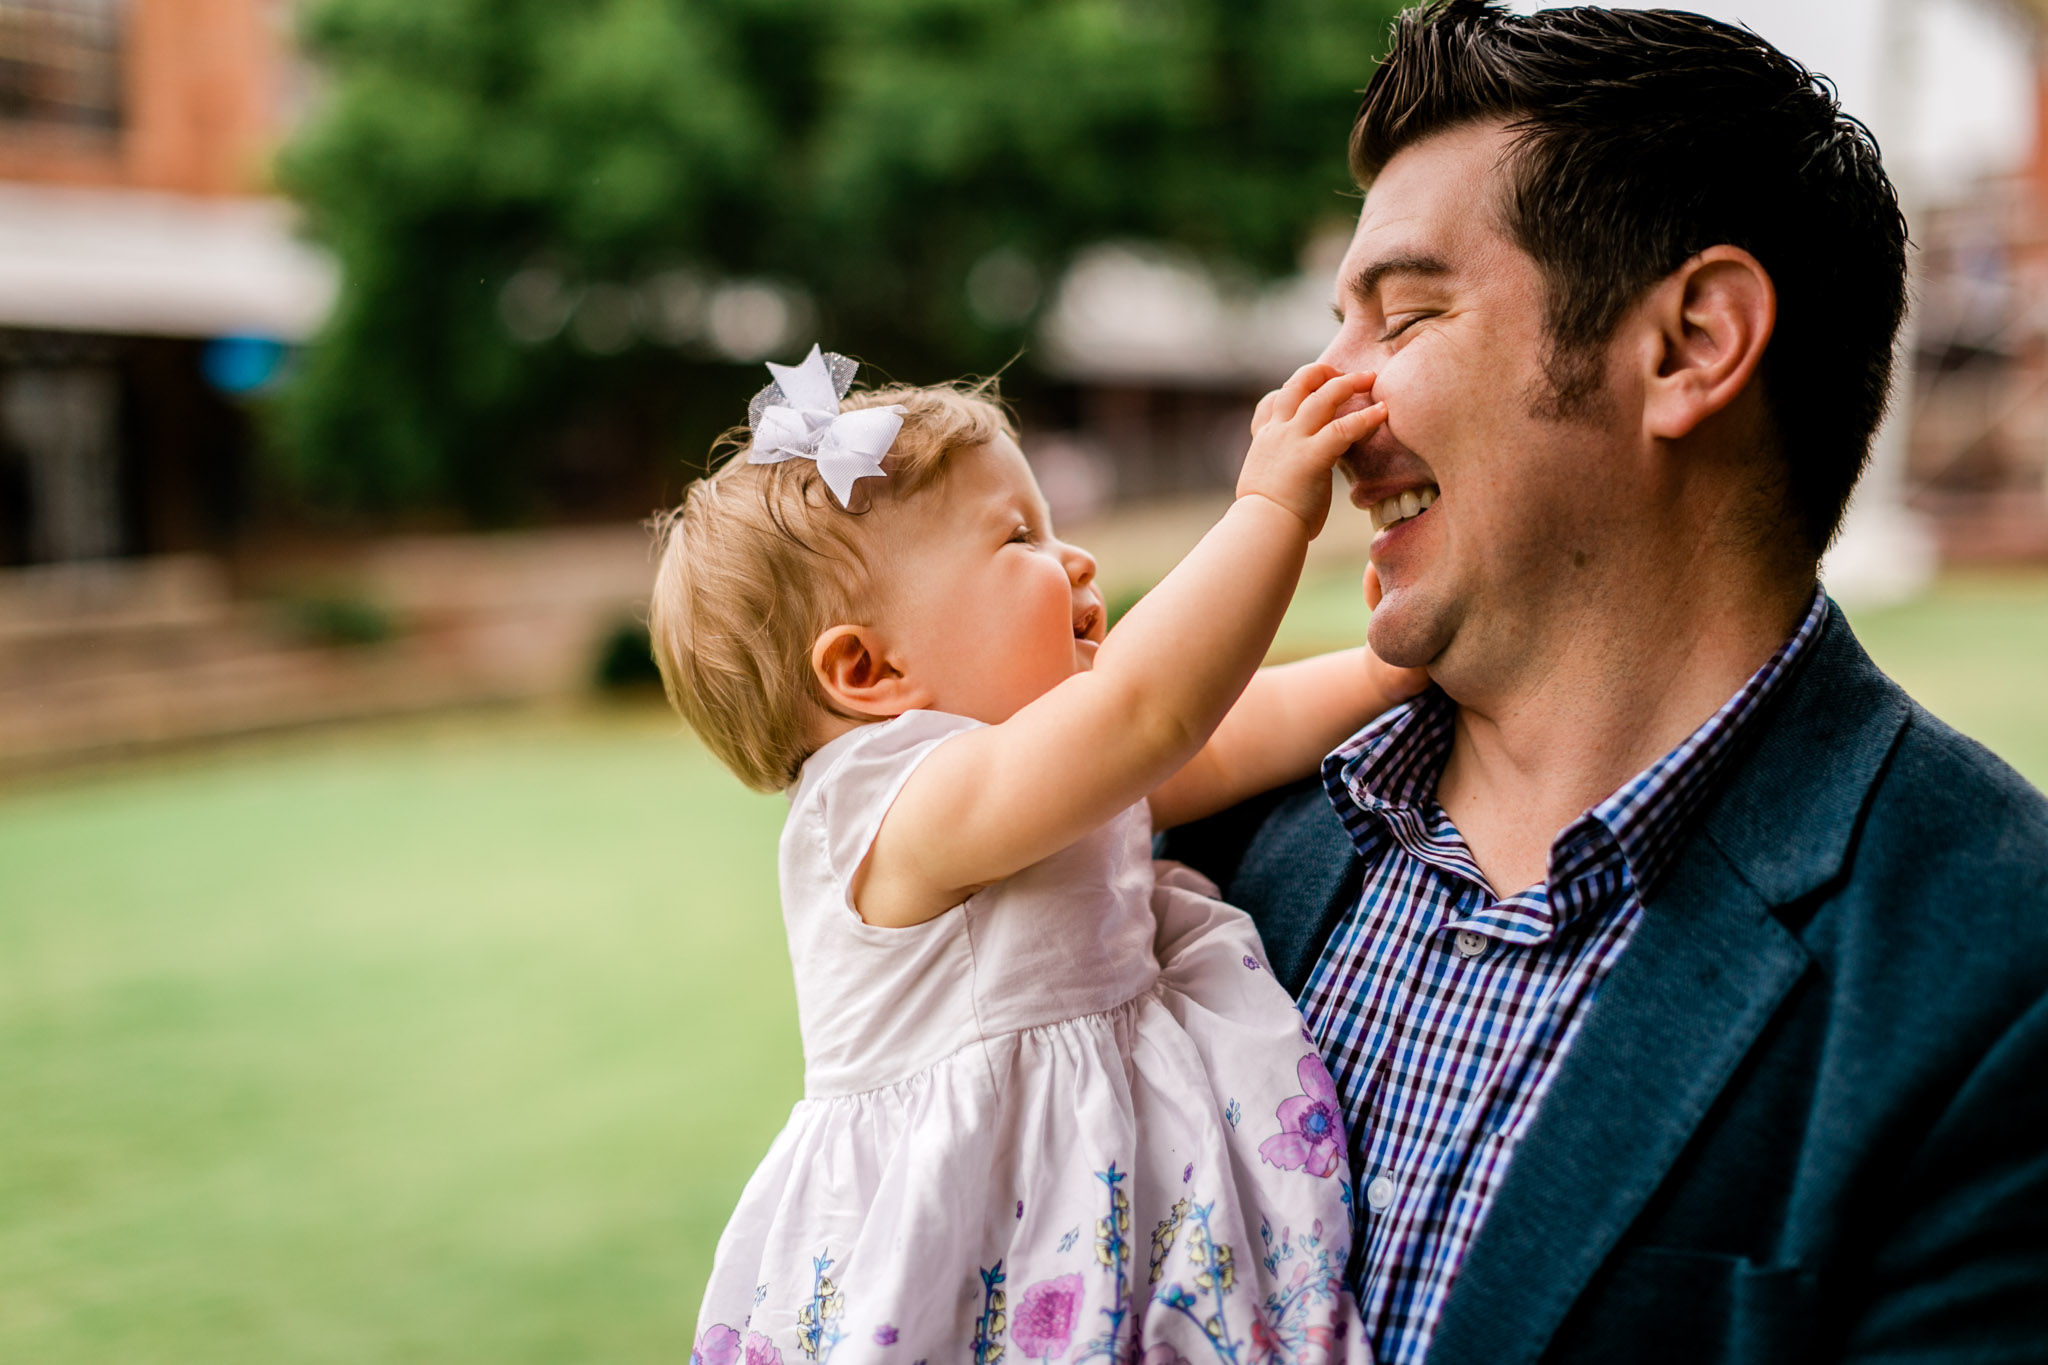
(1470, 944)
(1379, 1194)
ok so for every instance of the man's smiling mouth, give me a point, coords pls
(1412, 502)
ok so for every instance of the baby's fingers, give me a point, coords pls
(1342, 433)
(1286, 400)
(1263, 413)
(1319, 407)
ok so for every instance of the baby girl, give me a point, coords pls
(1055, 1105)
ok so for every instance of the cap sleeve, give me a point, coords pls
(862, 781)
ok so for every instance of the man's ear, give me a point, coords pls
(858, 674)
(1713, 318)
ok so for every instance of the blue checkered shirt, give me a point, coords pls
(1444, 1010)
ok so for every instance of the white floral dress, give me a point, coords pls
(1074, 1118)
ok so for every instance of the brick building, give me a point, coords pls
(146, 274)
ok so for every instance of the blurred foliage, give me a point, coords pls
(1122, 603)
(335, 619)
(869, 152)
(625, 660)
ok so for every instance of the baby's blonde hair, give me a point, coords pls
(759, 560)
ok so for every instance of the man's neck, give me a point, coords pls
(1616, 696)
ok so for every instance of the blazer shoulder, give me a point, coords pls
(1853, 785)
(1963, 811)
(1938, 926)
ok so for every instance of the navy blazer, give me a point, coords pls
(1806, 1118)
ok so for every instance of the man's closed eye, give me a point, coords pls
(1404, 325)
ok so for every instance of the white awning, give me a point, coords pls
(1128, 314)
(133, 262)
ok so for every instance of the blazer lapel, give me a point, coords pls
(1673, 1019)
(1706, 970)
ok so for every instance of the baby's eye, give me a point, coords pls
(1021, 536)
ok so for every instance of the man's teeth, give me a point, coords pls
(1402, 506)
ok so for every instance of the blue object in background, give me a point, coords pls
(242, 364)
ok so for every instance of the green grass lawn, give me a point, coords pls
(453, 1041)
(443, 1042)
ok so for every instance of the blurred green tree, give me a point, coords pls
(917, 169)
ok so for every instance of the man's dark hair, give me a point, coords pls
(1645, 137)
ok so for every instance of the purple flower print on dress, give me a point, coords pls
(761, 1351)
(716, 1345)
(1251, 963)
(1043, 1324)
(885, 1335)
(1311, 1135)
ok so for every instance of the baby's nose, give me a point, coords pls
(1080, 566)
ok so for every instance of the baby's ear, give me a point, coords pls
(856, 672)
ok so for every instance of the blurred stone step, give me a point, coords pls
(102, 658)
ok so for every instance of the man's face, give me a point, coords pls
(1434, 297)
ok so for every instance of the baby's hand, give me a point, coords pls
(1297, 439)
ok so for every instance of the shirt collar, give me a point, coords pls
(1396, 760)
(1395, 763)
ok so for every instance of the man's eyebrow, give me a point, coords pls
(1366, 282)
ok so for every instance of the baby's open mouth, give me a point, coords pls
(1401, 506)
(1086, 621)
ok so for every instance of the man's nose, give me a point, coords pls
(1349, 350)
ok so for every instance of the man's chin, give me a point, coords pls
(1405, 632)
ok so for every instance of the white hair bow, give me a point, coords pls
(798, 415)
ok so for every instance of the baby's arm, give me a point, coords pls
(1289, 717)
(990, 802)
